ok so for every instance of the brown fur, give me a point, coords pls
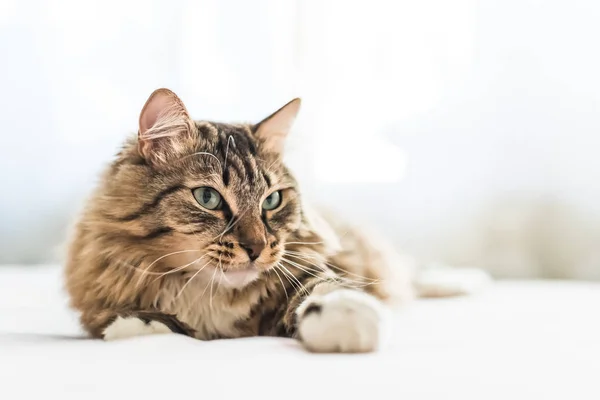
(144, 246)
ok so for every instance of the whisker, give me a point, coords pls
(355, 283)
(238, 218)
(211, 285)
(282, 285)
(204, 291)
(303, 268)
(278, 266)
(170, 254)
(162, 257)
(189, 280)
(346, 281)
(198, 297)
(305, 257)
(227, 228)
(343, 280)
(230, 225)
(138, 269)
(294, 278)
(223, 276)
(179, 268)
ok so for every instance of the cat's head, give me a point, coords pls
(202, 196)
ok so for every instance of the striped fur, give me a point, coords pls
(144, 247)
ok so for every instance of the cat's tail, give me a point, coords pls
(437, 280)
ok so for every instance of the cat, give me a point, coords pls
(199, 228)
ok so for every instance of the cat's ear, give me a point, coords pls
(166, 128)
(272, 131)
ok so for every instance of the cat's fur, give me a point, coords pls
(147, 258)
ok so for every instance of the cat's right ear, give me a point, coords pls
(166, 129)
(272, 131)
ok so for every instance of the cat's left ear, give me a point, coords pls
(166, 130)
(272, 131)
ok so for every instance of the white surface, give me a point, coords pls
(516, 341)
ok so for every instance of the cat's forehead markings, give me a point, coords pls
(206, 127)
(267, 179)
(246, 128)
(240, 171)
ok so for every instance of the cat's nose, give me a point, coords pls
(253, 249)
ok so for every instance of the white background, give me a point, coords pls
(466, 130)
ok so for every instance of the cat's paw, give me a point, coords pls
(122, 328)
(343, 321)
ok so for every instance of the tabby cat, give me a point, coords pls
(198, 228)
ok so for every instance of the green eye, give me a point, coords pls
(208, 198)
(272, 201)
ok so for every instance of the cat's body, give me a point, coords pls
(213, 310)
(199, 228)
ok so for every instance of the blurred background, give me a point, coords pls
(468, 131)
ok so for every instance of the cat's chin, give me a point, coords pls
(239, 277)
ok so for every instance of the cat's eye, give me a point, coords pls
(208, 198)
(272, 201)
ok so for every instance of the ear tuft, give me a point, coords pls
(273, 130)
(164, 126)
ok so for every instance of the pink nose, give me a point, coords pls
(253, 249)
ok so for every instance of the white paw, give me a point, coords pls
(123, 328)
(343, 321)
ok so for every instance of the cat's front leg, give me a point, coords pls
(340, 320)
(142, 323)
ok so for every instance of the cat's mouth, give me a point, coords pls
(237, 275)
(236, 268)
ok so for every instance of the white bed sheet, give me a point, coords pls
(517, 340)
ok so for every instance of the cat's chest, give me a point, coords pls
(212, 313)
